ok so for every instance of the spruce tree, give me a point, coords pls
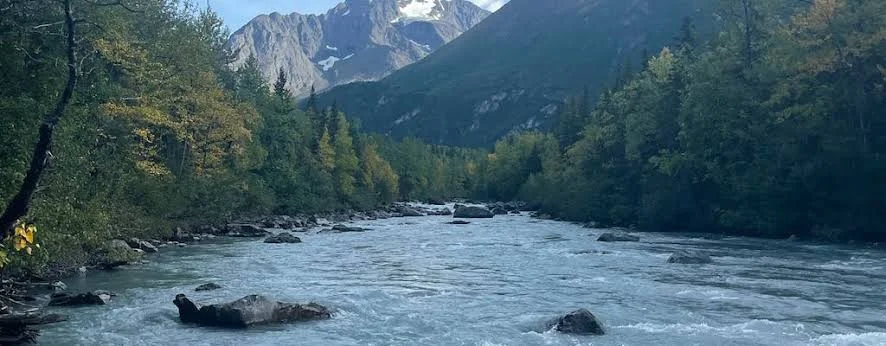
(280, 85)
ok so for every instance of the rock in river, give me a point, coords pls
(690, 257)
(283, 238)
(464, 212)
(247, 311)
(246, 231)
(82, 299)
(410, 212)
(611, 237)
(581, 322)
(346, 229)
(208, 287)
(143, 245)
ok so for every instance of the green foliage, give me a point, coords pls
(162, 134)
(773, 129)
(483, 86)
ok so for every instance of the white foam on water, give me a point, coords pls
(750, 327)
(861, 339)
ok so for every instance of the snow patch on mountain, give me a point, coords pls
(328, 63)
(427, 10)
(408, 116)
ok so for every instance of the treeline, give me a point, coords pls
(161, 133)
(775, 127)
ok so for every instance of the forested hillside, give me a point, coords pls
(513, 71)
(160, 133)
(775, 128)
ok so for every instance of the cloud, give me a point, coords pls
(492, 5)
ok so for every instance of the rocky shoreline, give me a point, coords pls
(281, 229)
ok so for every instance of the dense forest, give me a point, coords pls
(773, 128)
(159, 133)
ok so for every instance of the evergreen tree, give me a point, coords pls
(280, 86)
(311, 104)
(346, 162)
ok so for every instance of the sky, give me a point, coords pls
(237, 12)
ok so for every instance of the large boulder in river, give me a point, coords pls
(690, 257)
(81, 299)
(581, 322)
(143, 245)
(247, 311)
(283, 238)
(617, 236)
(465, 212)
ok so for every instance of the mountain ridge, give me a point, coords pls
(515, 70)
(357, 40)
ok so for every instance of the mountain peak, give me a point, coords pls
(427, 10)
(357, 40)
(514, 70)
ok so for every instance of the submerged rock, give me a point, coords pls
(247, 311)
(690, 257)
(613, 237)
(246, 231)
(465, 212)
(343, 228)
(581, 322)
(82, 299)
(283, 238)
(208, 287)
(460, 222)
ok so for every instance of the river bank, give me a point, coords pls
(247, 234)
(421, 280)
(23, 295)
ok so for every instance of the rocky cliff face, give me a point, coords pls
(358, 40)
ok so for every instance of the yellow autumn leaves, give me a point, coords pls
(23, 238)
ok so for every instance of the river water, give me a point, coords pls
(419, 281)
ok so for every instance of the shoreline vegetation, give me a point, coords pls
(772, 128)
(751, 132)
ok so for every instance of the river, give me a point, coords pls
(419, 281)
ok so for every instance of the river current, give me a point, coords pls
(420, 281)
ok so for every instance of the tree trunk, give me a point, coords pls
(19, 205)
